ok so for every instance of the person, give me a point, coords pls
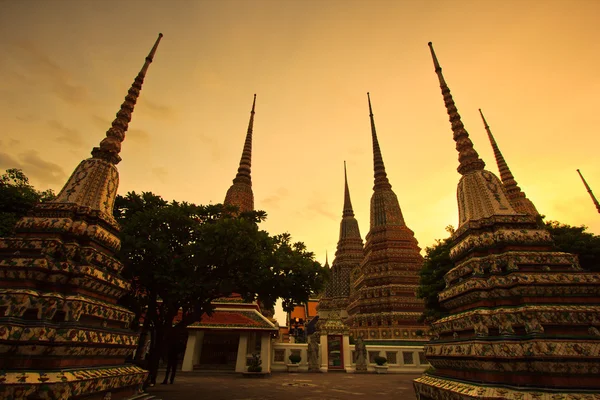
(172, 357)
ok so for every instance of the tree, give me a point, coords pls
(180, 257)
(567, 238)
(437, 264)
(17, 198)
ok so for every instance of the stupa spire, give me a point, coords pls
(515, 195)
(243, 174)
(326, 259)
(590, 192)
(240, 193)
(467, 155)
(110, 147)
(348, 211)
(381, 180)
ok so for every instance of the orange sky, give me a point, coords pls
(530, 65)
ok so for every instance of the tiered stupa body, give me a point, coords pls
(384, 305)
(524, 319)
(62, 334)
(589, 190)
(348, 256)
(516, 196)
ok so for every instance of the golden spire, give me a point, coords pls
(515, 195)
(243, 174)
(110, 147)
(467, 156)
(348, 211)
(381, 180)
(590, 192)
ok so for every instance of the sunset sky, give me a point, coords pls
(531, 66)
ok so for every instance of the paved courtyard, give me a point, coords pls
(305, 386)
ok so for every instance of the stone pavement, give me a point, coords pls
(282, 385)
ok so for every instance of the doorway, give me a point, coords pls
(335, 354)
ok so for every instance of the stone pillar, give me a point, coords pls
(193, 349)
(265, 351)
(323, 353)
(347, 353)
(240, 365)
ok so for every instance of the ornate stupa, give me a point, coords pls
(240, 193)
(384, 305)
(589, 190)
(348, 256)
(62, 334)
(516, 196)
(524, 319)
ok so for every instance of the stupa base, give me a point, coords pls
(429, 387)
(104, 383)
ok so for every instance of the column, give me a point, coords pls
(347, 354)
(240, 364)
(192, 350)
(323, 354)
(265, 351)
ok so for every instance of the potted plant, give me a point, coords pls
(255, 362)
(294, 362)
(380, 368)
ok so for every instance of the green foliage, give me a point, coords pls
(17, 198)
(295, 358)
(379, 360)
(254, 365)
(431, 282)
(575, 239)
(180, 257)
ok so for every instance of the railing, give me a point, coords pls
(401, 359)
(281, 353)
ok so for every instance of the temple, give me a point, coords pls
(383, 304)
(62, 334)
(348, 256)
(236, 329)
(589, 190)
(523, 319)
(517, 198)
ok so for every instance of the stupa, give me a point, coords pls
(589, 190)
(516, 196)
(384, 305)
(348, 256)
(524, 319)
(240, 193)
(62, 334)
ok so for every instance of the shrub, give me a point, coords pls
(380, 360)
(255, 363)
(295, 358)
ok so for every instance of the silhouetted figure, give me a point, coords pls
(172, 357)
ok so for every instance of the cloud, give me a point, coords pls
(157, 111)
(160, 173)
(68, 135)
(321, 207)
(275, 199)
(37, 66)
(45, 172)
(138, 135)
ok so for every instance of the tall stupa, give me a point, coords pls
(240, 193)
(589, 190)
(523, 319)
(516, 196)
(384, 305)
(348, 256)
(62, 334)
